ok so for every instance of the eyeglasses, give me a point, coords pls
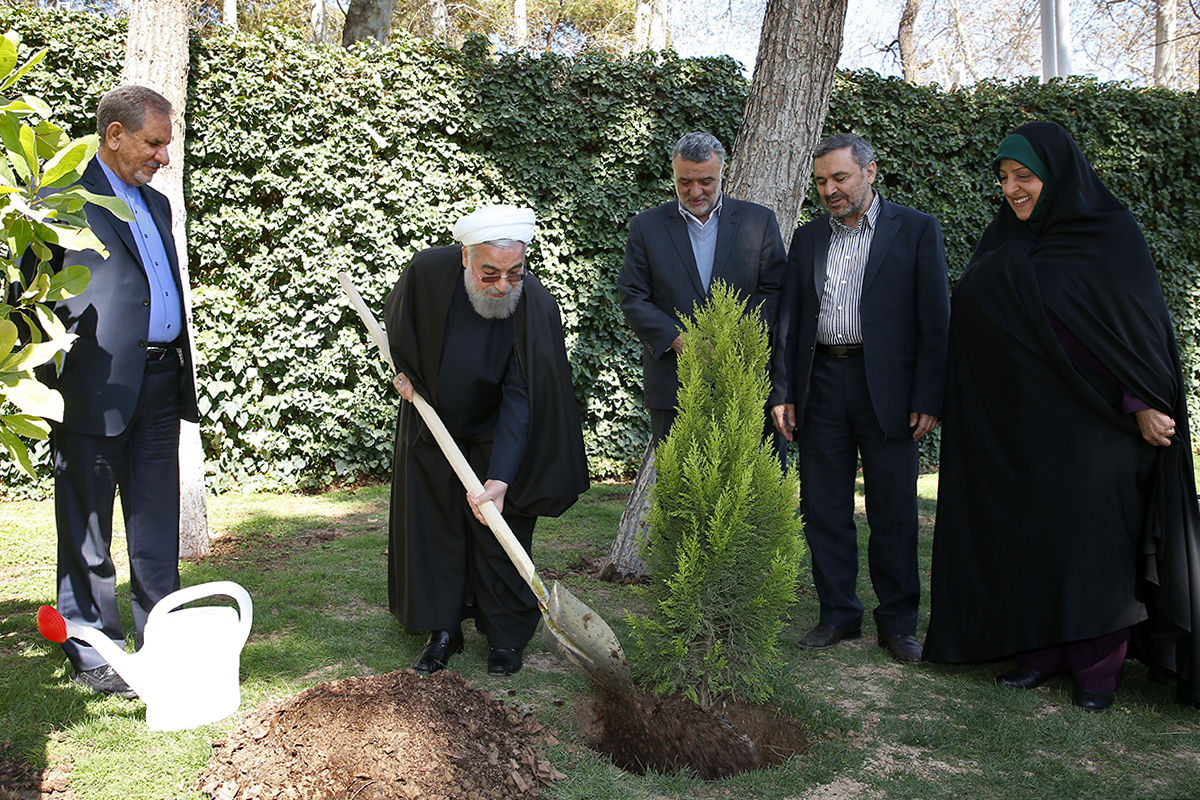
(512, 276)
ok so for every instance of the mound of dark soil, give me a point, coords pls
(643, 733)
(382, 737)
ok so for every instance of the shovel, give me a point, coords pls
(580, 633)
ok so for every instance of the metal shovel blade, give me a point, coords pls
(584, 637)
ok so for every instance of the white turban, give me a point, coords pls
(492, 223)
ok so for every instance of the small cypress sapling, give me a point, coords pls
(724, 548)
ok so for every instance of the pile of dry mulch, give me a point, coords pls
(383, 736)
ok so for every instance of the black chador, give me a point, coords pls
(503, 389)
(1056, 522)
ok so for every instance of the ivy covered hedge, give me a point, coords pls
(303, 160)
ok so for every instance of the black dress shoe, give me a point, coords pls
(1024, 678)
(439, 648)
(103, 680)
(504, 661)
(825, 636)
(903, 647)
(1093, 701)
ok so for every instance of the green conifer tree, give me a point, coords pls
(724, 548)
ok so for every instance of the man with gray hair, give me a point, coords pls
(860, 372)
(676, 250)
(126, 383)
(480, 338)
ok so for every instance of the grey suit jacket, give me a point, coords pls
(660, 281)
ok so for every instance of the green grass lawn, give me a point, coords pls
(315, 566)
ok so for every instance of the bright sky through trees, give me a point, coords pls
(1111, 41)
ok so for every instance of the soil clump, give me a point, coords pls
(382, 737)
(643, 733)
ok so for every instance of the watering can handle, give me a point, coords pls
(189, 593)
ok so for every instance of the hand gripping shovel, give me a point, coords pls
(580, 633)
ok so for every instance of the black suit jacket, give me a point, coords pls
(905, 311)
(102, 372)
(660, 280)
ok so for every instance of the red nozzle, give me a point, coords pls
(51, 624)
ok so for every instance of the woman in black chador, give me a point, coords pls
(1068, 533)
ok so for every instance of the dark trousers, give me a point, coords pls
(661, 420)
(143, 464)
(839, 426)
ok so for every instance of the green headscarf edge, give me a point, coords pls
(1018, 148)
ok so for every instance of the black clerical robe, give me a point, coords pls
(481, 376)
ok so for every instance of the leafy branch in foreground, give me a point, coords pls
(40, 208)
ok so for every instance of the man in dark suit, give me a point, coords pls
(126, 383)
(863, 322)
(676, 250)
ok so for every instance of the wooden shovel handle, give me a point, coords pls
(450, 449)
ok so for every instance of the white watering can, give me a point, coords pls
(187, 669)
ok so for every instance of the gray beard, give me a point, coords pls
(490, 307)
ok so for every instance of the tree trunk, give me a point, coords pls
(318, 20)
(650, 25)
(439, 20)
(798, 53)
(156, 55)
(660, 30)
(1062, 37)
(964, 42)
(624, 559)
(520, 30)
(1166, 14)
(229, 13)
(908, 43)
(367, 19)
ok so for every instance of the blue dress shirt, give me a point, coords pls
(166, 306)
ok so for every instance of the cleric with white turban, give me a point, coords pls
(481, 339)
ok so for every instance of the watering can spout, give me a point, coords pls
(57, 628)
(187, 669)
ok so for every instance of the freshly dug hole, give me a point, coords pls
(642, 733)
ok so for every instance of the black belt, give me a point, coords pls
(840, 350)
(157, 352)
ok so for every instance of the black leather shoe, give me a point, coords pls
(439, 648)
(1024, 678)
(103, 680)
(1093, 701)
(903, 647)
(825, 636)
(504, 661)
(1183, 694)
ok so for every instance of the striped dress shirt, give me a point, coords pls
(839, 321)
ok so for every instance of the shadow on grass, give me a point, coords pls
(39, 698)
